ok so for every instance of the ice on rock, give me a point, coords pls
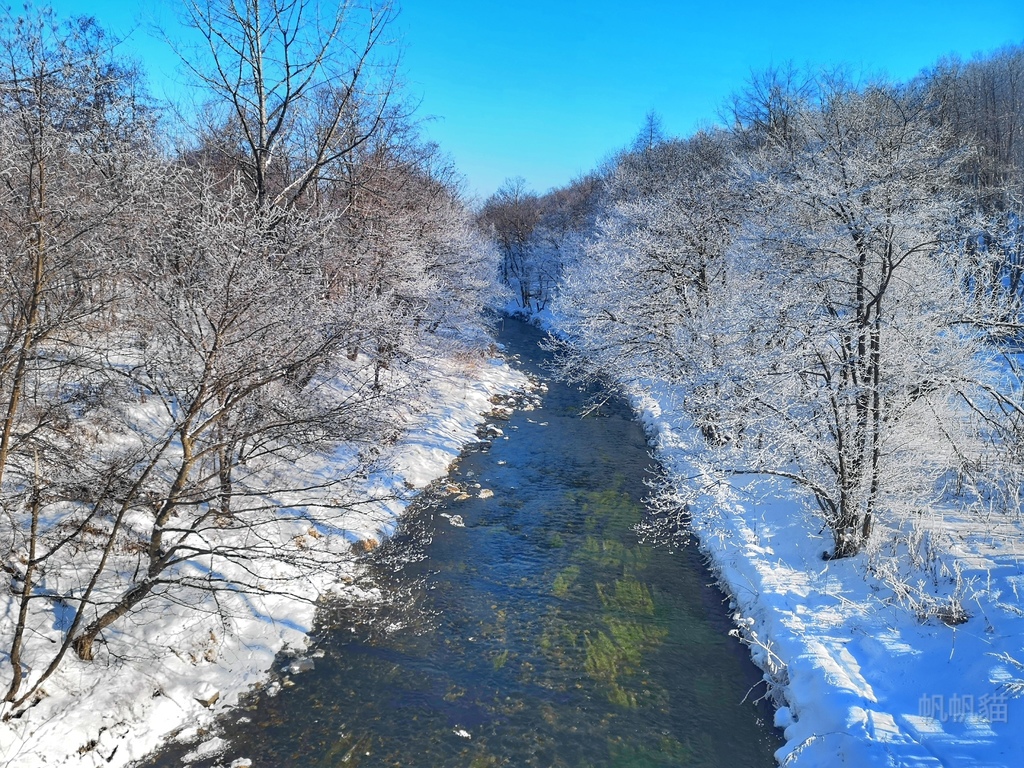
(300, 665)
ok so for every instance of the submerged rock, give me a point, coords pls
(300, 665)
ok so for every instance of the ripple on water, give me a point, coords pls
(534, 628)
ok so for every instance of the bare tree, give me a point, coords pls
(73, 125)
(239, 352)
(768, 105)
(512, 213)
(297, 85)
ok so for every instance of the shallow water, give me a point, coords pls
(542, 632)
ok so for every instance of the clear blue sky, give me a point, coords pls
(545, 89)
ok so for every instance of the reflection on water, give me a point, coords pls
(531, 628)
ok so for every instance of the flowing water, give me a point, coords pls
(531, 628)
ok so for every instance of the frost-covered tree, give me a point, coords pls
(74, 138)
(643, 293)
(239, 372)
(200, 354)
(537, 235)
(854, 352)
(797, 285)
(982, 102)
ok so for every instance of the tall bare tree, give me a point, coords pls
(73, 128)
(297, 85)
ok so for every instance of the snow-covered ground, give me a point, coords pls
(862, 680)
(170, 670)
(860, 677)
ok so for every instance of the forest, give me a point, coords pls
(216, 321)
(831, 285)
(200, 313)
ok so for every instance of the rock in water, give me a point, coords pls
(300, 665)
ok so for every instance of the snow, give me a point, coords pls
(169, 669)
(860, 678)
(209, 748)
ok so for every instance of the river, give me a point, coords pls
(534, 627)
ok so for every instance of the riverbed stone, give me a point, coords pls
(206, 695)
(300, 665)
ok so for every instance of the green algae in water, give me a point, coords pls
(564, 580)
(544, 629)
(630, 596)
(609, 553)
(634, 639)
(606, 663)
(665, 752)
(608, 640)
(610, 509)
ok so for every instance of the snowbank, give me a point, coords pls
(169, 671)
(859, 678)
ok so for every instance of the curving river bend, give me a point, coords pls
(542, 631)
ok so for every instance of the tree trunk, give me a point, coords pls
(83, 644)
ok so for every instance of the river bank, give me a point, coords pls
(530, 614)
(859, 677)
(172, 669)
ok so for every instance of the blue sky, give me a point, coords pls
(547, 89)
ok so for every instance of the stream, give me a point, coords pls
(535, 627)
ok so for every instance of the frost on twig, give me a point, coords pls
(776, 673)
